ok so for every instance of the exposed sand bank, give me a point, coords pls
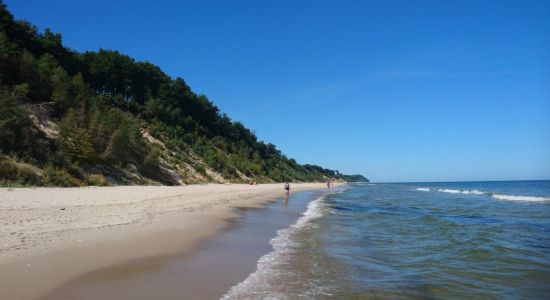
(50, 235)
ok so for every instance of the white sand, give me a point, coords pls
(50, 235)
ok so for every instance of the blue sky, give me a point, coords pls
(394, 90)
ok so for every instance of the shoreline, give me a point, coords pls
(62, 233)
(209, 271)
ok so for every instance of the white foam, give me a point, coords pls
(449, 191)
(496, 196)
(520, 198)
(475, 192)
(423, 189)
(452, 191)
(258, 285)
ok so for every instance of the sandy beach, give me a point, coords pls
(51, 235)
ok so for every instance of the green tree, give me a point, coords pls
(61, 89)
(75, 139)
(117, 147)
(12, 119)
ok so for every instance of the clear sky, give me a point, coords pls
(394, 90)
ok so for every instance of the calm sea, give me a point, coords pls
(462, 240)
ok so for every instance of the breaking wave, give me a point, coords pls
(520, 198)
(496, 196)
(452, 191)
(263, 282)
(475, 192)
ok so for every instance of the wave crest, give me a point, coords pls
(475, 192)
(449, 191)
(520, 198)
(496, 196)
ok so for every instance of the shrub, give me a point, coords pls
(8, 170)
(28, 176)
(200, 168)
(11, 173)
(59, 177)
(97, 180)
(150, 166)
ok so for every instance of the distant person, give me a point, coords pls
(287, 188)
(328, 185)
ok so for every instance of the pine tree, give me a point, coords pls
(75, 139)
(12, 120)
(117, 148)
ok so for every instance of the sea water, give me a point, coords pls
(460, 240)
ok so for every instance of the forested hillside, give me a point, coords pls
(98, 118)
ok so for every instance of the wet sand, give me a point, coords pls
(52, 236)
(206, 273)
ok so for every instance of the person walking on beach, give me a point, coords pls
(329, 184)
(287, 188)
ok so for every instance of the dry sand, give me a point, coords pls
(51, 235)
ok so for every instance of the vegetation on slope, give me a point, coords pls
(69, 118)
